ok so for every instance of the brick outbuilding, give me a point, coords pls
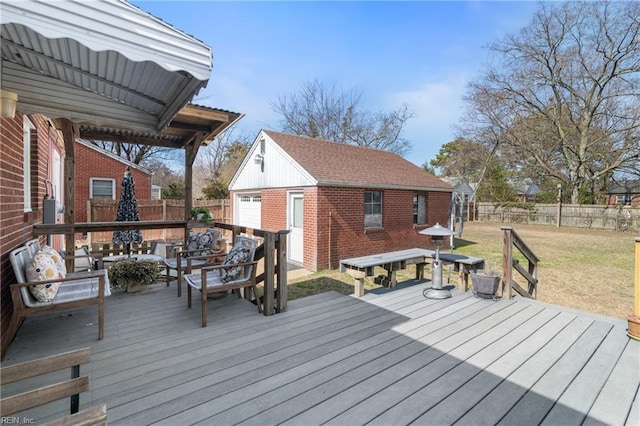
(337, 200)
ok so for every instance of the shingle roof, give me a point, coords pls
(333, 163)
(625, 187)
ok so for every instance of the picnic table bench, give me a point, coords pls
(361, 267)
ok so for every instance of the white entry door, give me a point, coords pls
(296, 235)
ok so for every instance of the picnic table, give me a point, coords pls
(364, 266)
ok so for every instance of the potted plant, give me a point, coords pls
(201, 213)
(485, 282)
(132, 274)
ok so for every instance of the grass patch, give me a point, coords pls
(332, 280)
(586, 269)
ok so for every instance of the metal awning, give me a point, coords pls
(99, 63)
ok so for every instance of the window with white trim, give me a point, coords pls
(27, 128)
(623, 199)
(372, 209)
(102, 188)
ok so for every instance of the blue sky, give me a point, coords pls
(419, 53)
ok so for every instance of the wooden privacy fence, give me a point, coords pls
(164, 210)
(618, 218)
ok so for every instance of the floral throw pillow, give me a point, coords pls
(42, 268)
(56, 258)
(238, 254)
(202, 243)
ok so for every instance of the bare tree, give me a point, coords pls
(140, 154)
(565, 94)
(216, 164)
(324, 112)
(171, 181)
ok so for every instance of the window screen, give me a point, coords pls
(102, 188)
(419, 209)
(373, 209)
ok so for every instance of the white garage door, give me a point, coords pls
(249, 210)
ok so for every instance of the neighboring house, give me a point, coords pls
(337, 200)
(99, 175)
(461, 187)
(625, 192)
(526, 190)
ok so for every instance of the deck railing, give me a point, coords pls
(274, 277)
(273, 249)
(510, 240)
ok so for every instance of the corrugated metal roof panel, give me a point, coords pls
(89, 57)
(113, 25)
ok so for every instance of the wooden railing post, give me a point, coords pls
(235, 231)
(269, 272)
(507, 261)
(282, 291)
(533, 271)
(89, 219)
(636, 303)
(164, 217)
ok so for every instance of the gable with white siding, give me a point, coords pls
(267, 165)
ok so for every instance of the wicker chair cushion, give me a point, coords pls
(238, 254)
(200, 243)
(82, 262)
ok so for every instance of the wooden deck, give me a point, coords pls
(387, 359)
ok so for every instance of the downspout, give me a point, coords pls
(330, 220)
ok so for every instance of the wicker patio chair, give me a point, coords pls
(238, 270)
(201, 249)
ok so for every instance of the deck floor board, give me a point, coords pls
(392, 357)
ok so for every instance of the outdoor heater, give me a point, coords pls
(437, 233)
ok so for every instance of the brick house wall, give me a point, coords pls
(612, 200)
(274, 217)
(273, 209)
(16, 225)
(341, 223)
(334, 222)
(91, 163)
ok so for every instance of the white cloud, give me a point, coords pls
(239, 94)
(434, 104)
(437, 107)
